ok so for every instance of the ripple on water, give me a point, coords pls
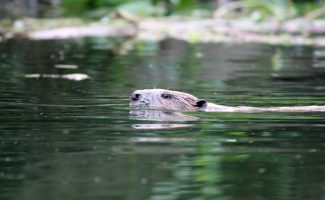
(59, 137)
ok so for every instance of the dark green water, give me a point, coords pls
(67, 139)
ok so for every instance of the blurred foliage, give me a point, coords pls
(99, 8)
(260, 10)
(306, 6)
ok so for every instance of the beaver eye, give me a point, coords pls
(166, 95)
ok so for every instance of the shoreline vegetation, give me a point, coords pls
(284, 29)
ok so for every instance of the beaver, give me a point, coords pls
(162, 99)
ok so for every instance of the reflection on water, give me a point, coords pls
(63, 139)
(160, 115)
(160, 126)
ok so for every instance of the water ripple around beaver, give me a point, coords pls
(61, 138)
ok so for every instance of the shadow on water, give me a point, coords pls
(69, 139)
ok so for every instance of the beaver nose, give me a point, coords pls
(135, 97)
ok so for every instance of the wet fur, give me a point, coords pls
(180, 101)
(151, 98)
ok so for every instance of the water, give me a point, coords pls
(69, 139)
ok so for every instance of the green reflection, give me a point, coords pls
(66, 139)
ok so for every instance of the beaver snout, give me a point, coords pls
(135, 96)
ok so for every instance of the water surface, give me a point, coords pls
(69, 139)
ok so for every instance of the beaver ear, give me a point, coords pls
(201, 103)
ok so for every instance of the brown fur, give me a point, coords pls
(152, 99)
(181, 101)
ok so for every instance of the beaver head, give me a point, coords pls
(166, 100)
